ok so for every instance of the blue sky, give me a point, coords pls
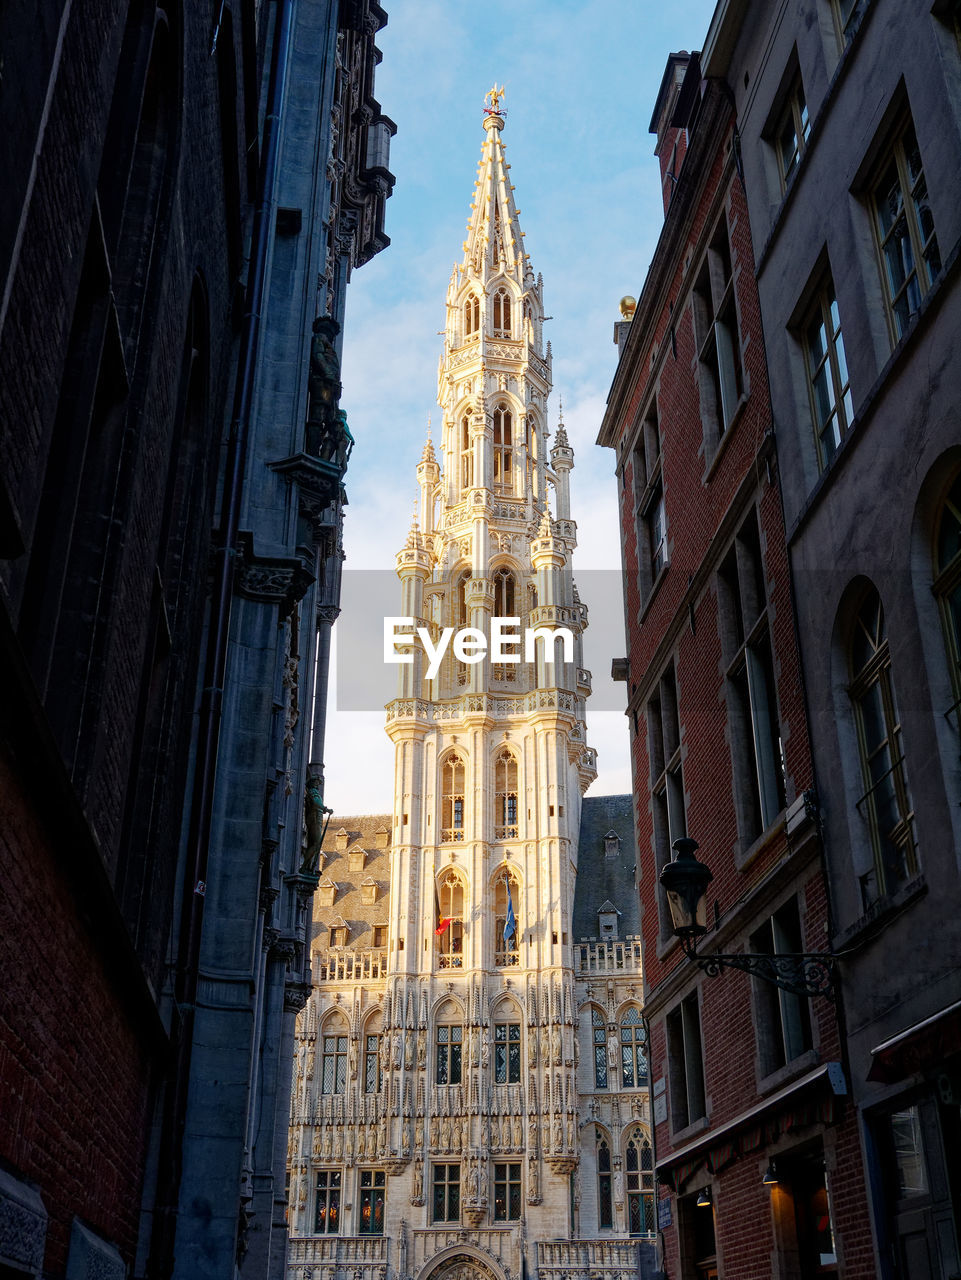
(580, 84)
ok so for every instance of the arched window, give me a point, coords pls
(605, 1204)
(504, 594)
(333, 1076)
(471, 316)
(452, 798)
(503, 450)
(633, 1055)
(505, 796)
(502, 314)
(947, 585)
(460, 612)
(640, 1184)
(531, 435)
(372, 1056)
(466, 455)
(448, 1045)
(599, 1039)
(886, 802)
(450, 924)
(507, 907)
(507, 1045)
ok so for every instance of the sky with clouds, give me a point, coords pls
(581, 77)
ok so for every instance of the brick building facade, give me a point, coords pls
(164, 251)
(757, 1150)
(850, 121)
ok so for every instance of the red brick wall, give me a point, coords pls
(73, 1075)
(696, 503)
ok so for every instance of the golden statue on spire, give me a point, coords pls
(493, 99)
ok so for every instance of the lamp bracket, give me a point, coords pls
(801, 974)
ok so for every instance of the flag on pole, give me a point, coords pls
(510, 926)
(440, 924)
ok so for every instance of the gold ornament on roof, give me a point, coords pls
(493, 99)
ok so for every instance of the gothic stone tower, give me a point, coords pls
(449, 1061)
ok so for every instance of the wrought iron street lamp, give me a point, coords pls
(685, 881)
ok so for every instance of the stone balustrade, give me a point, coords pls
(621, 956)
(342, 965)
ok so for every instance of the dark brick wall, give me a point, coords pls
(117, 510)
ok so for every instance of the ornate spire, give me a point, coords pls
(560, 435)
(494, 244)
(428, 453)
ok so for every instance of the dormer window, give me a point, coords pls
(607, 915)
(612, 844)
(472, 316)
(368, 891)
(502, 314)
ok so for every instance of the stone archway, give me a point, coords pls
(461, 1264)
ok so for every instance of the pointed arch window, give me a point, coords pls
(599, 1041)
(505, 796)
(531, 439)
(452, 798)
(639, 1160)
(466, 455)
(506, 949)
(461, 613)
(472, 316)
(504, 593)
(947, 585)
(502, 314)
(448, 1050)
(886, 802)
(450, 927)
(333, 1077)
(503, 450)
(633, 1050)
(605, 1202)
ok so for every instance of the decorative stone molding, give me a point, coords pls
(92, 1258)
(277, 580)
(23, 1225)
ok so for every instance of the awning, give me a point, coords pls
(801, 1103)
(919, 1048)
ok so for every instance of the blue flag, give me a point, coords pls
(510, 927)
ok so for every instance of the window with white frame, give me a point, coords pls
(752, 694)
(651, 518)
(720, 370)
(886, 801)
(783, 1019)
(904, 228)
(792, 132)
(947, 587)
(826, 366)
(686, 1063)
(667, 779)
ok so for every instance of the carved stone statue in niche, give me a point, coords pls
(313, 824)
(324, 426)
(531, 1047)
(422, 1048)
(445, 1133)
(419, 1133)
(409, 1050)
(435, 1133)
(556, 1043)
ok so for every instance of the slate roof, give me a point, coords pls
(603, 880)
(369, 832)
